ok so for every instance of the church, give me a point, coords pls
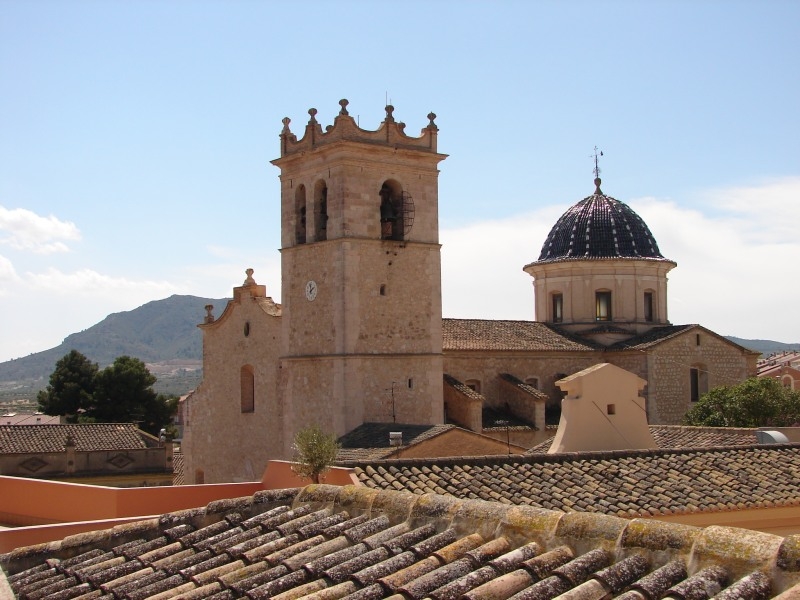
(359, 335)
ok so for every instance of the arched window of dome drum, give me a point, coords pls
(321, 211)
(698, 380)
(247, 389)
(558, 307)
(602, 302)
(300, 215)
(648, 306)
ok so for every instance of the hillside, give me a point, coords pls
(766, 347)
(159, 331)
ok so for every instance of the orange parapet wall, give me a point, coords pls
(41, 511)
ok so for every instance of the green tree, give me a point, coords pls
(314, 452)
(71, 387)
(756, 402)
(124, 393)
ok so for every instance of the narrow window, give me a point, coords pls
(558, 308)
(611, 409)
(411, 383)
(602, 306)
(383, 289)
(247, 389)
(247, 328)
(699, 382)
(648, 306)
(697, 339)
(300, 215)
(694, 375)
(321, 211)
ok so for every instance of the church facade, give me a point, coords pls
(360, 338)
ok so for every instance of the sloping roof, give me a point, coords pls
(683, 436)
(370, 441)
(20, 439)
(483, 334)
(330, 542)
(651, 338)
(29, 419)
(623, 483)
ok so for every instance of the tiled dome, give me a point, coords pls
(599, 226)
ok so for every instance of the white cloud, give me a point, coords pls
(737, 251)
(87, 282)
(23, 229)
(7, 273)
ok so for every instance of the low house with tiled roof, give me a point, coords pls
(114, 453)
(359, 336)
(326, 542)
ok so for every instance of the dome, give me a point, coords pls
(599, 226)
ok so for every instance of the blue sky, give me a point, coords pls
(135, 140)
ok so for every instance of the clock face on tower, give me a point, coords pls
(311, 290)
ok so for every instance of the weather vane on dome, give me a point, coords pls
(596, 156)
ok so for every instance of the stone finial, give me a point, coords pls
(249, 280)
(286, 121)
(313, 113)
(431, 124)
(389, 111)
(597, 182)
(209, 317)
(343, 103)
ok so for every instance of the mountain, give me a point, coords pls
(159, 331)
(766, 347)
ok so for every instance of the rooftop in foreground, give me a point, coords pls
(331, 542)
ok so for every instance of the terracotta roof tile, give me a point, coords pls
(86, 436)
(624, 483)
(483, 334)
(432, 546)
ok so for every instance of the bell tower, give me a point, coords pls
(361, 275)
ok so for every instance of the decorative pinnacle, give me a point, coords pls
(343, 103)
(286, 121)
(431, 117)
(249, 280)
(313, 113)
(389, 111)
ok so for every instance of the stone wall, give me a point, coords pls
(669, 365)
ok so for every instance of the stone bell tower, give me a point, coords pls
(361, 275)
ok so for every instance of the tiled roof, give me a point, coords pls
(651, 338)
(622, 483)
(599, 226)
(482, 334)
(370, 441)
(29, 419)
(462, 387)
(87, 437)
(327, 542)
(683, 436)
